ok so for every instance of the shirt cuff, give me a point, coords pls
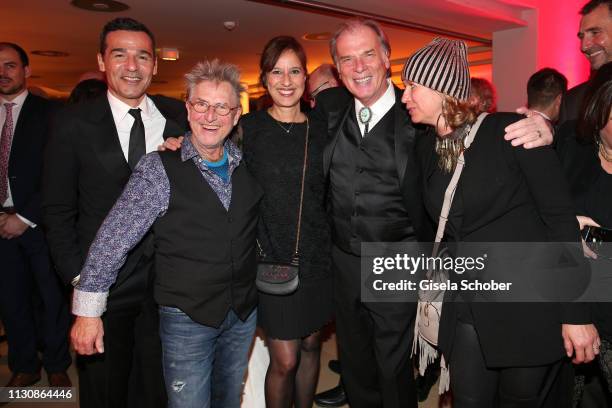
(25, 220)
(88, 304)
(75, 281)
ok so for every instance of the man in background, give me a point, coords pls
(323, 77)
(595, 36)
(545, 91)
(26, 267)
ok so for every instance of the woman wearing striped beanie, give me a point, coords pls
(499, 354)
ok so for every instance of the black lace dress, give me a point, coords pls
(275, 157)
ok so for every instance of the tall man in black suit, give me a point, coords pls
(88, 161)
(26, 267)
(374, 184)
(595, 34)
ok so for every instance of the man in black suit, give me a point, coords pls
(94, 147)
(374, 183)
(26, 268)
(595, 36)
(546, 89)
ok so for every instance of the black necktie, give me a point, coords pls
(137, 145)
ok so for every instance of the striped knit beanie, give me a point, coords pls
(441, 65)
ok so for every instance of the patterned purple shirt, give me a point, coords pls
(145, 198)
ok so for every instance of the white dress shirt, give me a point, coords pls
(18, 101)
(154, 123)
(379, 108)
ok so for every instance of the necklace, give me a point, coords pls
(287, 130)
(604, 153)
(450, 147)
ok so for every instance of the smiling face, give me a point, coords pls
(423, 104)
(286, 81)
(596, 36)
(129, 63)
(210, 129)
(362, 63)
(12, 73)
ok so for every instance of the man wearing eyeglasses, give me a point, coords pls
(202, 205)
(93, 149)
(323, 77)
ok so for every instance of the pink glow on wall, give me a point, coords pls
(482, 71)
(558, 46)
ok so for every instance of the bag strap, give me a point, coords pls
(449, 194)
(296, 254)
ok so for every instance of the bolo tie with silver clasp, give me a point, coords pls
(365, 115)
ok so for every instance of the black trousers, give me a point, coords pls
(129, 372)
(26, 275)
(374, 342)
(474, 385)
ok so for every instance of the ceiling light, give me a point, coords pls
(106, 6)
(317, 36)
(230, 25)
(169, 54)
(49, 53)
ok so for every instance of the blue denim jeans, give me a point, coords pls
(204, 366)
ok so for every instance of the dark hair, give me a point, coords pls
(272, 52)
(23, 56)
(593, 4)
(482, 95)
(544, 86)
(125, 24)
(598, 103)
(87, 90)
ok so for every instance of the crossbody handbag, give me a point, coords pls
(281, 278)
(429, 307)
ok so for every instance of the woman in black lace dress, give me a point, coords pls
(273, 144)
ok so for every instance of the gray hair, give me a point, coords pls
(215, 71)
(353, 25)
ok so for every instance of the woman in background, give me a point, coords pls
(586, 157)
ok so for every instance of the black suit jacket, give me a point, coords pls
(334, 106)
(572, 103)
(511, 194)
(26, 158)
(85, 172)
(580, 161)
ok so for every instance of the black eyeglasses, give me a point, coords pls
(219, 109)
(318, 89)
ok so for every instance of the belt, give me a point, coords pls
(8, 210)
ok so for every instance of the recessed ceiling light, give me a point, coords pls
(106, 6)
(168, 54)
(317, 36)
(50, 53)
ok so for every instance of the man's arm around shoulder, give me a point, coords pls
(145, 198)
